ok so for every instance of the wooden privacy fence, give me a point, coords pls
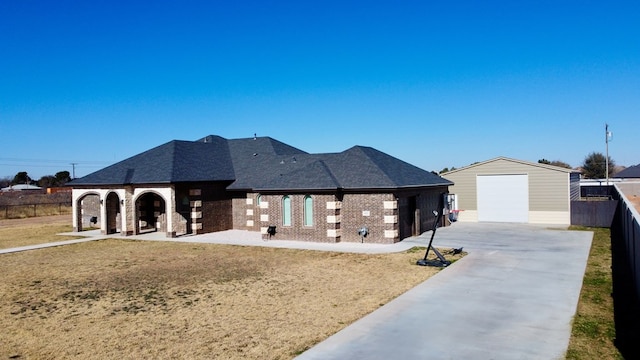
(593, 213)
(33, 210)
(625, 247)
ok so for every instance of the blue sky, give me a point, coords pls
(435, 83)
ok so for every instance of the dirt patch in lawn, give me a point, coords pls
(130, 299)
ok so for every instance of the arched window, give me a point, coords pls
(286, 211)
(308, 211)
(258, 199)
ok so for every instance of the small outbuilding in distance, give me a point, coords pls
(514, 191)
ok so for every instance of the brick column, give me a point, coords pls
(264, 218)
(250, 213)
(334, 232)
(196, 210)
(130, 211)
(391, 220)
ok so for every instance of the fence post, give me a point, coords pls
(34, 210)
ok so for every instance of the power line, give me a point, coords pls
(50, 166)
(55, 161)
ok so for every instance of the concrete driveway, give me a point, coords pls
(513, 297)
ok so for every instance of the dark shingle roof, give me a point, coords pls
(631, 172)
(175, 161)
(263, 164)
(366, 167)
(315, 175)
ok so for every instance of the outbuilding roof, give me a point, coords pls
(20, 187)
(502, 158)
(263, 164)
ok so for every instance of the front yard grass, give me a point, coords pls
(11, 237)
(136, 299)
(593, 332)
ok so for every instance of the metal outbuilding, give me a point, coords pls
(21, 187)
(514, 191)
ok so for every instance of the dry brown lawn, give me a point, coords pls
(30, 231)
(133, 299)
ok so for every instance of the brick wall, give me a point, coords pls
(338, 218)
(90, 207)
(205, 207)
(415, 210)
(335, 219)
(246, 213)
(369, 210)
(271, 214)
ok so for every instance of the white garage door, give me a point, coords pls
(503, 198)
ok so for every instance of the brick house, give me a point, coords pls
(215, 184)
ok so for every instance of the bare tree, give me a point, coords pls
(4, 182)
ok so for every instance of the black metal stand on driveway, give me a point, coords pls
(441, 261)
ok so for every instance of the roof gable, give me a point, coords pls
(366, 167)
(521, 162)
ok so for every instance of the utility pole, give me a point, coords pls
(607, 135)
(74, 170)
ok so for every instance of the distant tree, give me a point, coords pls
(62, 177)
(21, 178)
(555, 163)
(47, 181)
(594, 166)
(446, 169)
(563, 164)
(4, 182)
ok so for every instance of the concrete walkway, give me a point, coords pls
(228, 237)
(513, 297)
(88, 236)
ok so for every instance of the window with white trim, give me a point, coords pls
(308, 210)
(286, 211)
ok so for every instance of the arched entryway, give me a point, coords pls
(88, 212)
(150, 213)
(114, 218)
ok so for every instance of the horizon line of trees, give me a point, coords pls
(22, 177)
